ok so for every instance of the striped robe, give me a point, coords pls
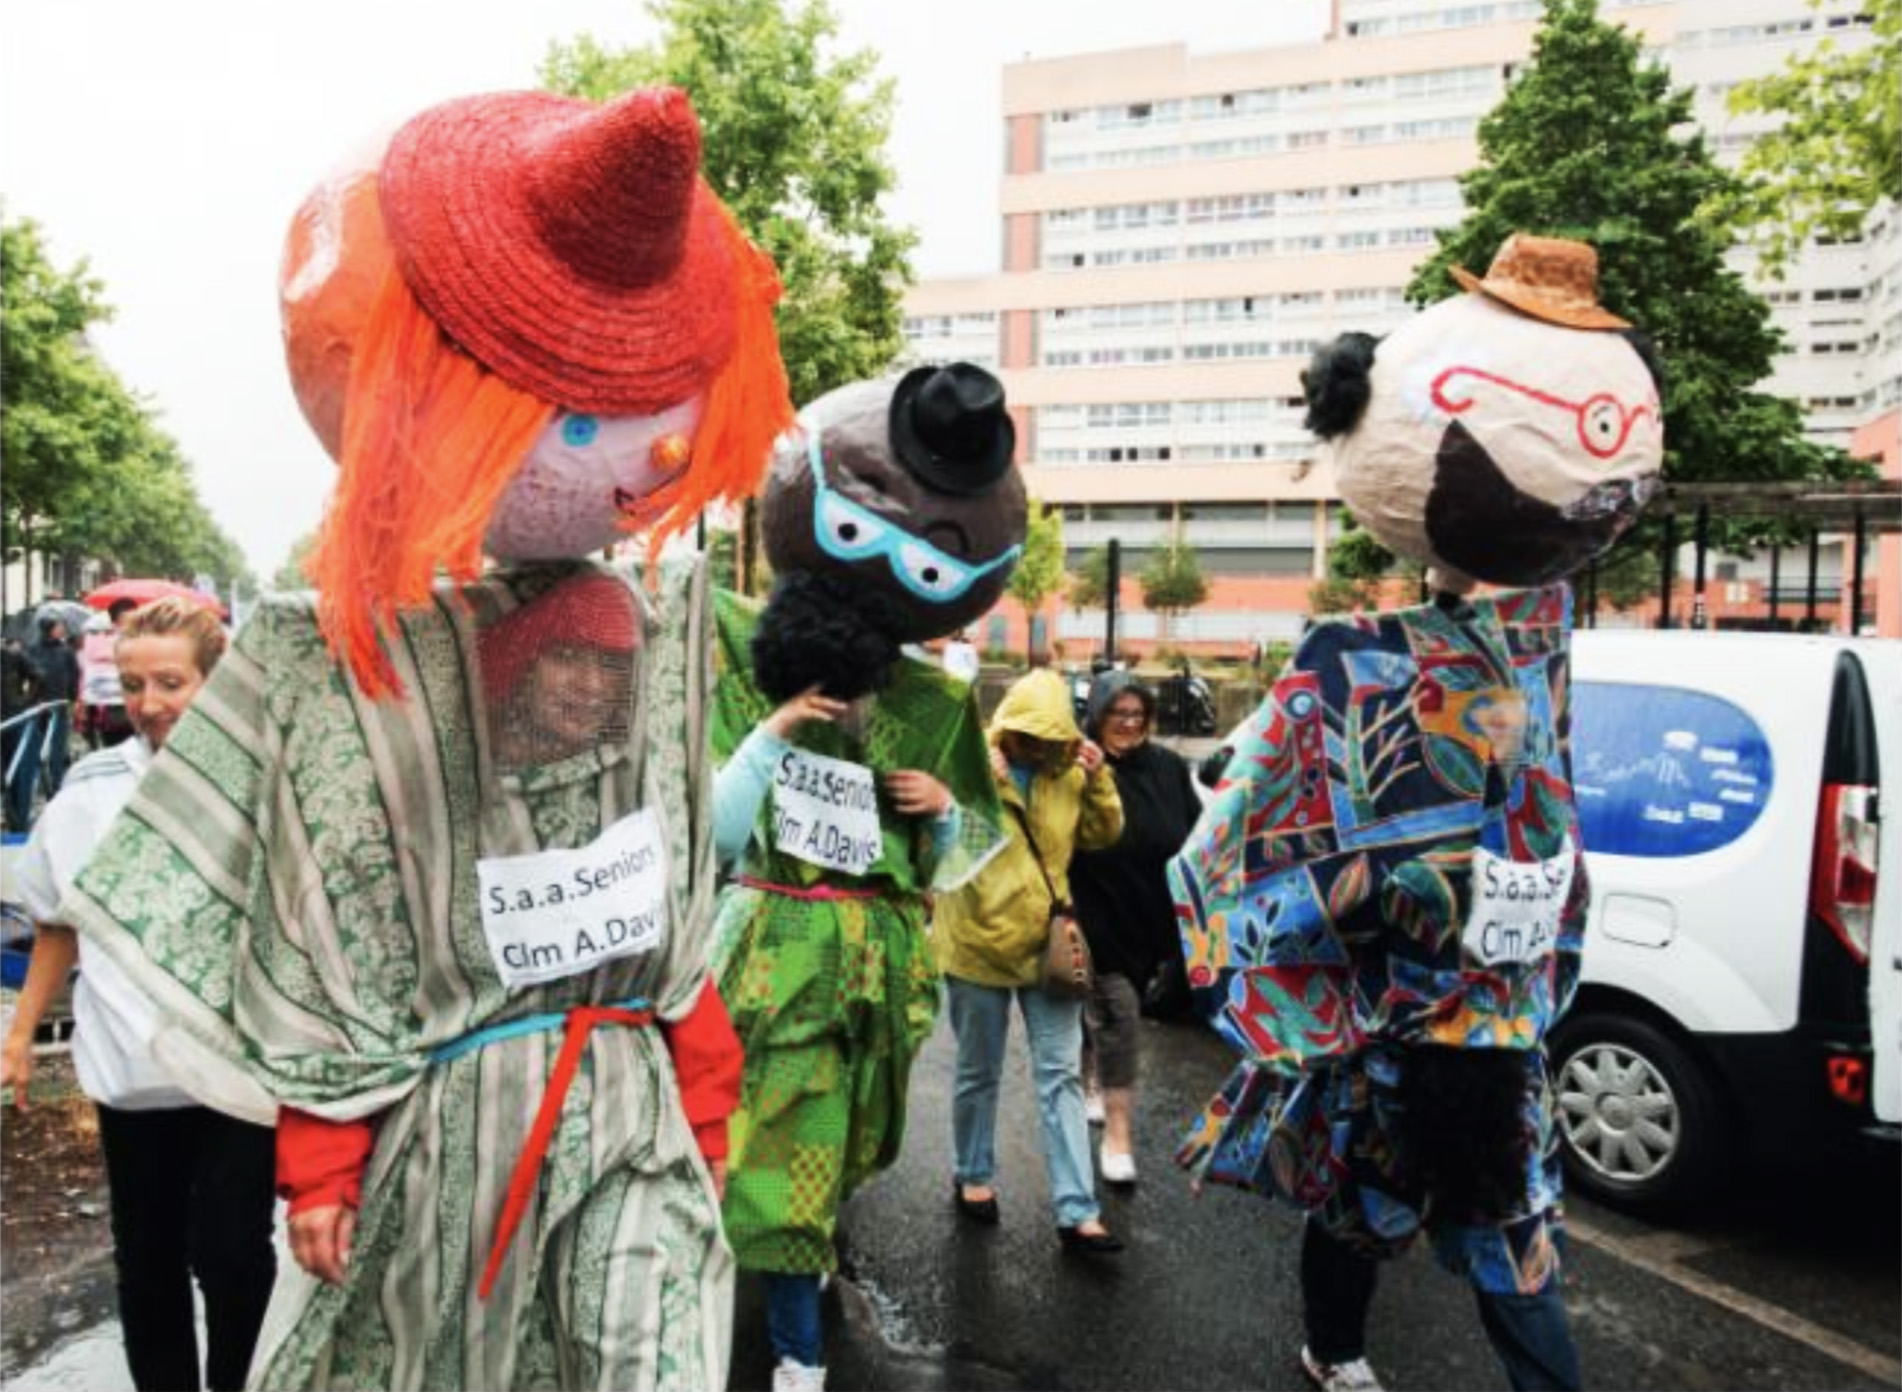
(295, 886)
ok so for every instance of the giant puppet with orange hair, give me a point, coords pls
(427, 876)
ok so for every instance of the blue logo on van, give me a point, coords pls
(1660, 771)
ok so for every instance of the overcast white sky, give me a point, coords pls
(168, 143)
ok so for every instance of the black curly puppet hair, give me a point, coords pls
(820, 629)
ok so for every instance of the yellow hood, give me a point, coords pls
(1038, 705)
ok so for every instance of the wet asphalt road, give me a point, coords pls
(1788, 1283)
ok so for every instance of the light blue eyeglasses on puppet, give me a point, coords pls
(848, 532)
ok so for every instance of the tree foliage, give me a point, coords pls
(89, 473)
(1039, 572)
(290, 575)
(1837, 151)
(1087, 587)
(793, 139)
(1592, 142)
(1357, 556)
(1627, 575)
(1172, 580)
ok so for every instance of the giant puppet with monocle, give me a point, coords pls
(855, 780)
(428, 876)
(1382, 905)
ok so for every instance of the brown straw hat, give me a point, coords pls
(1549, 278)
(571, 248)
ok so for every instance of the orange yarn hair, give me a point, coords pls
(748, 405)
(431, 440)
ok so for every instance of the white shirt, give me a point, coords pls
(113, 1022)
(960, 659)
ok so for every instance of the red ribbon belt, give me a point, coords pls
(576, 1026)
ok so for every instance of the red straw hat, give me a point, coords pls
(571, 248)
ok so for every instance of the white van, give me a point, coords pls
(1742, 975)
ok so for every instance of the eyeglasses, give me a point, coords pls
(1123, 717)
(1604, 422)
(848, 532)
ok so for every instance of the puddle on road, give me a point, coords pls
(890, 1322)
(90, 1362)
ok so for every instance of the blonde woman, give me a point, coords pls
(191, 1187)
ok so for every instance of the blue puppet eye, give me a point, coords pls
(579, 430)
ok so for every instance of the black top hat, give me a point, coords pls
(950, 430)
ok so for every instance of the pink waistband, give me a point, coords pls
(817, 891)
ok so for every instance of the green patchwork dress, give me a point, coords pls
(295, 885)
(829, 976)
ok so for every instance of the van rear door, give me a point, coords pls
(1881, 663)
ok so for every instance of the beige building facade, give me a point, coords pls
(1180, 230)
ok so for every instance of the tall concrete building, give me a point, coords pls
(1180, 230)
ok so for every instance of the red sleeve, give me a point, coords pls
(321, 1162)
(708, 1062)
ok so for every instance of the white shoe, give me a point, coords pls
(1352, 1376)
(1093, 1106)
(797, 1377)
(1118, 1169)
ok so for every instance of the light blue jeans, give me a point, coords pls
(980, 1018)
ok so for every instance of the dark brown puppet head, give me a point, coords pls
(893, 513)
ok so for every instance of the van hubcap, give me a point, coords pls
(1618, 1114)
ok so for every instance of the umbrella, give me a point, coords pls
(68, 611)
(145, 591)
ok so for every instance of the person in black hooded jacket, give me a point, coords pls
(1123, 899)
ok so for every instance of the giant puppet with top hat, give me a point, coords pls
(1382, 906)
(856, 780)
(426, 875)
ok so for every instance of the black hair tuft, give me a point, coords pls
(1337, 383)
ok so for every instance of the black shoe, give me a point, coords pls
(1096, 1244)
(982, 1211)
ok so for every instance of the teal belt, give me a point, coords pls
(525, 1024)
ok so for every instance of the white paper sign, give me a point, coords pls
(825, 812)
(1517, 905)
(555, 913)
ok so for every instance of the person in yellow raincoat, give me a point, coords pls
(1059, 797)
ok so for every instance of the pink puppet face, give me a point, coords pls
(588, 481)
(1499, 447)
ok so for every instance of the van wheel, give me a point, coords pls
(1637, 1119)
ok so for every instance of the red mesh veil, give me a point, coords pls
(558, 673)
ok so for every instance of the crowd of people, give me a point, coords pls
(66, 681)
(826, 1060)
(557, 937)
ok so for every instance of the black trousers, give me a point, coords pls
(192, 1195)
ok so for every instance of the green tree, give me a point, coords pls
(1592, 142)
(1088, 585)
(1039, 572)
(51, 431)
(89, 473)
(1172, 582)
(723, 557)
(793, 139)
(1837, 151)
(290, 575)
(1627, 575)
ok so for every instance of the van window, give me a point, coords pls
(1660, 771)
